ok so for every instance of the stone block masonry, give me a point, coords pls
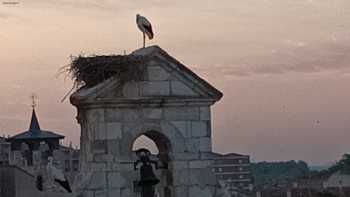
(171, 106)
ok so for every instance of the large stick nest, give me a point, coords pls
(89, 71)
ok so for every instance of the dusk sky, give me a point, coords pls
(283, 66)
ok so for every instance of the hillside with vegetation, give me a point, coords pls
(270, 173)
(342, 166)
(274, 172)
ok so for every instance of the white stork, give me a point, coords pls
(145, 26)
(56, 175)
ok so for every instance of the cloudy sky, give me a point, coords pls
(283, 65)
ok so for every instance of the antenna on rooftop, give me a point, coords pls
(33, 97)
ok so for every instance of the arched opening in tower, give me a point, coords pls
(145, 142)
(160, 148)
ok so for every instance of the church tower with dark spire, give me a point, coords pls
(34, 123)
(34, 136)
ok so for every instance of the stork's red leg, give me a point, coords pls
(144, 40)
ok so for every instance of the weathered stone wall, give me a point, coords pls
(158, 82)
(108, 135)
(171, 105)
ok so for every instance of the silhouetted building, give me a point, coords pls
(31, 140)
(68, 158)
(5, 149)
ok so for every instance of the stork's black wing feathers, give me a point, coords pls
(149, 30)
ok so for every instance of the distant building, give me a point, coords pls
(30, 142)
(69, 161)
(5, 150)
(29, 150)
(233, 171)
(16, 182)
(337, 180)
(332, 185)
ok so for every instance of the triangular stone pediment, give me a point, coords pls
(164, 77)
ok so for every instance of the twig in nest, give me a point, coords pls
(88, 71)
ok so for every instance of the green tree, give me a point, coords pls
(343, 165)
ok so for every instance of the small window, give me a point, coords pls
(67, 165)
(75, 165)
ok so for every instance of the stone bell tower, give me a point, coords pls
(171, 106)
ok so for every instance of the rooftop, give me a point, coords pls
(35, 132)
(93, 74)
(229, 155)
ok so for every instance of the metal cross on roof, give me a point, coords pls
(33, 97)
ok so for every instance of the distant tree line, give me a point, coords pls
(277, 172)
(342, 166)
(269, 173)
